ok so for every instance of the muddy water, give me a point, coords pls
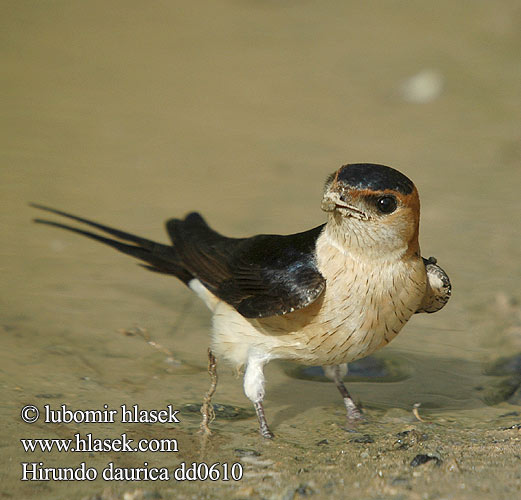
(131, 113)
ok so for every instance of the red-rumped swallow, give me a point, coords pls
(327, 296)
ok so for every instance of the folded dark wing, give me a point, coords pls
(265, 275)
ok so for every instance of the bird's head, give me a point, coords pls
(372, 208)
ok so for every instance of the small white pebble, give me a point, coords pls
(423, 87)
(256, 461)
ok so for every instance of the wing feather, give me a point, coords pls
(261, 276)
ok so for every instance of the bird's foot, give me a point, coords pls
(354, 414)
(266, 433)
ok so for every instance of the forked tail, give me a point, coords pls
(158, 257)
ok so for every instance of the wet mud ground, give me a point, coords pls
(131, 113)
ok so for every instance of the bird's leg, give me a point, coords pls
(263, 423)
(207, 407)
(254, 389)
(353, 412)
(337, 373)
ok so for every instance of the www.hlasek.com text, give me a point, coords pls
(90, 444)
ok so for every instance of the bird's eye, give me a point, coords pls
(386, 204)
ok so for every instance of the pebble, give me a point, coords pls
(246, 452)
(423, 87)
(365, 439)
(424, 458)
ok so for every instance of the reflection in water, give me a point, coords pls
(395, 380)
(374, 368)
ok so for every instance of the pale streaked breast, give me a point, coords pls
(363, 307)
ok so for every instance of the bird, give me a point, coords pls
(323, 297)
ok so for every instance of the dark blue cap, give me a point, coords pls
(375, 177)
